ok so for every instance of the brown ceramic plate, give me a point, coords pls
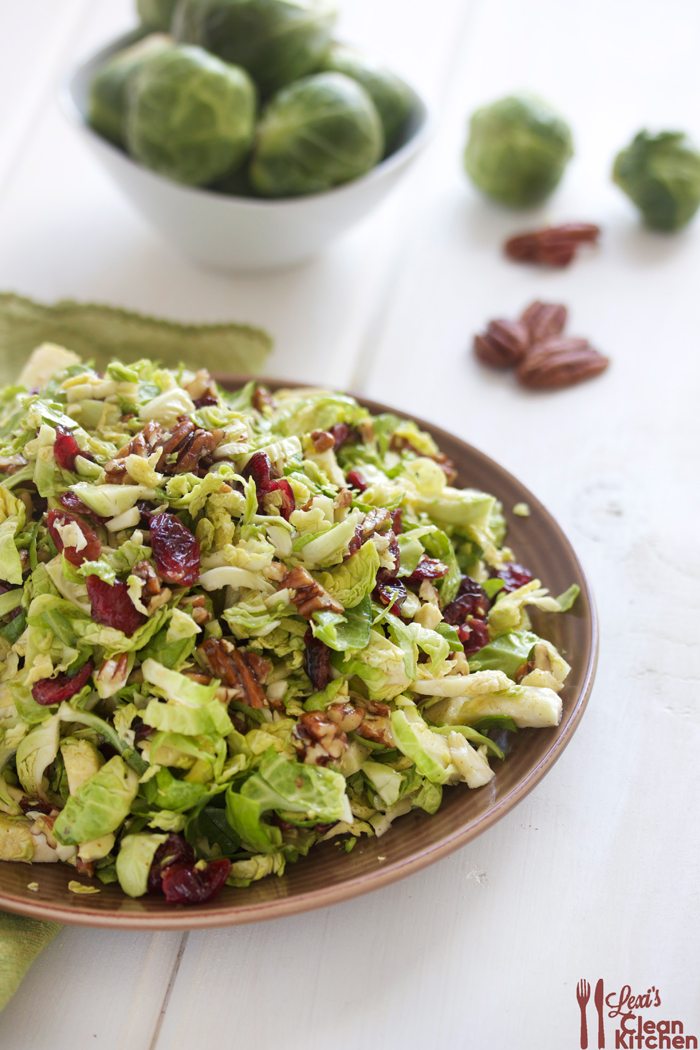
(329, 874)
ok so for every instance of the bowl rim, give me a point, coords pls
(240, 914)
(72, 110)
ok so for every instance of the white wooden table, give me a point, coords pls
(596, 873)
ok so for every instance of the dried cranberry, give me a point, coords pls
(65, 449)
(69, 501)
(31, 805)
(175, 850)
(175, 550)
(185, 884)
(92, 547)
(317, 661)
(428, 569)
(342, 433)
(391, 593)
(355, 480)
(287, 503)
(514, 576)
(397, 520)
(112, 606)
(474, 635)
(205, 401)
(471, 600)
(142, 731)
(49, 691)
(259, 468)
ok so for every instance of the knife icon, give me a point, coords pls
(598, 1000)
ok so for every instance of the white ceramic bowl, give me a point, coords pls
(236, 233)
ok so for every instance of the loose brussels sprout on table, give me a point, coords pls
(190, 116)
(391, 95)
(517, 150)
(156, 14)
(315, 134)
(108, 91)
(661, 175)
(277, 41)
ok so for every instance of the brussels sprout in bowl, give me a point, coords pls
(228, 232)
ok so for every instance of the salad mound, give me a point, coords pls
(235, 625)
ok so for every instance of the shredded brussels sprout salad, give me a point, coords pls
(235, 625)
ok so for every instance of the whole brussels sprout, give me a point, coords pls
(108, 90)
(317, 133)
(517, 150)
(277, 41)
(190, 116)
(156, 14)
(661, 175)
(391, 95)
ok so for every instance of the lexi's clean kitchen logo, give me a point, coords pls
(630, 1020)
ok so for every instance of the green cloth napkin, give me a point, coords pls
(98, 333)
(21, 940)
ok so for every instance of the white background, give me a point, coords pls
(596, 873)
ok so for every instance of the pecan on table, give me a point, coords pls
(309, 596)
(544, 320)
(561, 361)
(552, 246)
(238, 671)
(503, 344)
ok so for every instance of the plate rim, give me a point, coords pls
(262, 911)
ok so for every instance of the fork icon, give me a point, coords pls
(583, 994)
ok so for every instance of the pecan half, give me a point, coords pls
(559, 362)
(544, 320)
(318, 739)
(553, 245)
(309, 596)
(188, 448)
(238, 670)
(503, 344)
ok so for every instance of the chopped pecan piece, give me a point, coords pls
(322, 440)
(153, 594)
(237, 670)
(143, 443)
(376, 724)
(262, 399)
(309, 596)
(148, 575)
(345, 716)
(318, 739)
